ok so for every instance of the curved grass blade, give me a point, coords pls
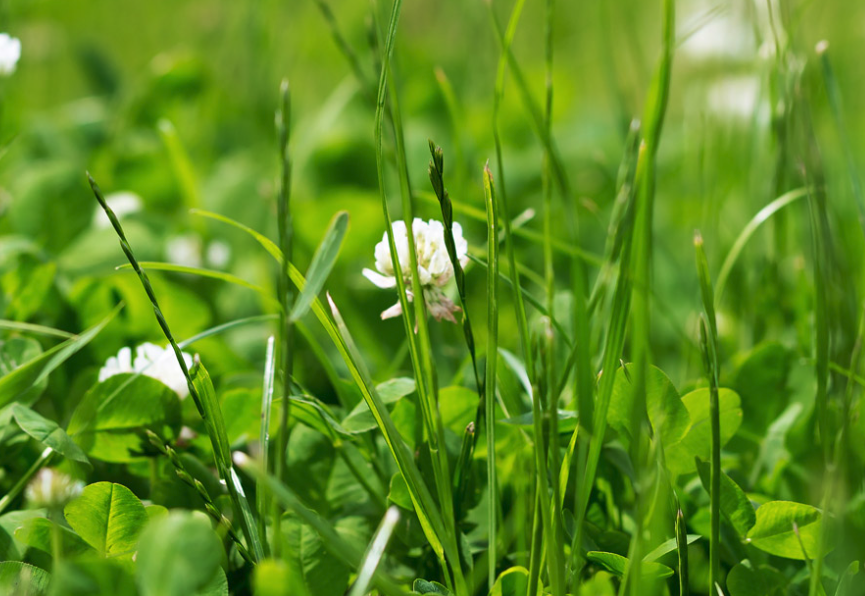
(205, 404)
(35, 371)
(321, 265)
(335, 544)
(742, 239)
(375, 552)
(22, 482)
(37, 329)
(268, 244)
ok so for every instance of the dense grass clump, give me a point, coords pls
(578, 315)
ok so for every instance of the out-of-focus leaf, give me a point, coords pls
(22, 579)
(777, 524)
(15, 384)
(108, 421)
(422, 586)
(761, 381)
(697, 441)
(108, 517)
(36, 533)
(745, 580)
(735, 505)
(361, 419)
(48, 433)
(178, 555)
(617, 565)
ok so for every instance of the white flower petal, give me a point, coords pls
(381, 281)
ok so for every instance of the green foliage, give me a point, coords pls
(180, 554)
(108, 517)
(786, 529)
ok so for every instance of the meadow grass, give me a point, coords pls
(649, 428)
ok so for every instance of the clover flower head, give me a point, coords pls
(152, 361)
(52, 489)
(10, 53)
(434, 265)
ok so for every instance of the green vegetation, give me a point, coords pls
(619, 352)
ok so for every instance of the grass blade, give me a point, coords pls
(375, 552)
(216, 434)
(335, 544)
(262, 498)
(321, 265)
(490, 367)
(31, 328)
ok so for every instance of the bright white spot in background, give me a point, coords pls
(10, 53)
(122, 203)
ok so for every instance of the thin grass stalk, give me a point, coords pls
(43, 460)
(709, 343)
(340, 548)
(367, 87)
(435, 425)
(375, 552)
(656, 106)
(490, 366)
(209, 506)
(285, 296)
(262, 498)
(250, 533)
(682, 552)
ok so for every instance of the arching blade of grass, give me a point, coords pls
(194, 384)
(335, 544)
(209, 273)
(461, 208)
(223, 328)
(490, 367)
(375, 552)
(266, 243)
(322, 262)
(37, 329)
(180, 163)
(33, 372)
(425, 507)
(742, 239)
(262, 498)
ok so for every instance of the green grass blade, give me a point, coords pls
(742, 239)
(43, 460)
(375, 552)
(35, 371)
(490, 367)
(266, 243)
(322, 263)
(335, 544)
(37, 329)
(180, 163)
(200, 272)
(214, 431)
(262, 497)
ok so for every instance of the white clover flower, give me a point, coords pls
(184, 250)
(10, 53)
(152, 361)
(218, 254)
(52, 489)
(434, 266)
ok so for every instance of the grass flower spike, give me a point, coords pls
(153, 361)
(434, 265)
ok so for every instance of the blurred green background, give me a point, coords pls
(174, 101)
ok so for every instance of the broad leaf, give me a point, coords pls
(735, 505)
(361, 418)
(745, 580)
(48, 433)
(618, 565)
(512, 582)
(108, 421)
(667, 413)
(422, 586)
(697, 441)
(22, 579)
(777, 524)
(15, 384)
(108, 517)
(178, 555)
(37, 533)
